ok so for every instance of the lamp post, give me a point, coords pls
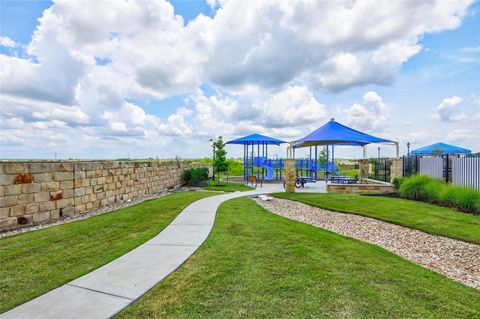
(408, 149)
(213, 163)
(379, 152)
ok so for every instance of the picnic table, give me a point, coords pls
(342, 180)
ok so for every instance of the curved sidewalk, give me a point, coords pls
(107, 290)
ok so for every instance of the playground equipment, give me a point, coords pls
(256, 161)
(255, 158)
(308, 169)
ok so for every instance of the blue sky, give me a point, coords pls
(428, 96)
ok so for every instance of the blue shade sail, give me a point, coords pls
(256, 139)
(437, 147)
(334, 133)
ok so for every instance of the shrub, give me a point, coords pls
(397, 182)
(429, 189)
(195, 176)
(465, 199)
(421, 187)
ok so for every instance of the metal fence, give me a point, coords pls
(466, 171)
(458, 170)
(380, 169)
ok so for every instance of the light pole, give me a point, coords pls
(213, 163)
(379, 152)
(408, 149)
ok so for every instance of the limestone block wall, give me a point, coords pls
(364, 168)
(35, 192)
(360, 188)
(396, 168)
(290, 175)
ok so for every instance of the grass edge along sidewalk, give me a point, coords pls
(227, 186)
(39, 261)
(259, 265)
(432, 219)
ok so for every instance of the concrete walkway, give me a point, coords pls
(109, 289)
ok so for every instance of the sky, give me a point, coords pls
(116, 79)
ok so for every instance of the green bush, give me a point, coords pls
(397, 182)
(421, 187)
(432, 190)
(195, 176)
(465, 199)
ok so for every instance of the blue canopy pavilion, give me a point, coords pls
(264, 167)
(255, 151)
(333, 133)
(440, 149)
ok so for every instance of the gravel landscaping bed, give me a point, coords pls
(452, 258)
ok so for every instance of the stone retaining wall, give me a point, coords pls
(367, 186)
(35, 192)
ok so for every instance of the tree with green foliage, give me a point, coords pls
(322, 155)
(220, 164)
(438, 151)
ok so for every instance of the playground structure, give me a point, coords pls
(308, 169)
(256, 161)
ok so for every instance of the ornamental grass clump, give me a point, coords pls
(422, 188)
(428, 189)
(465, 199)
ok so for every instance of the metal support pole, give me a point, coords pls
(333, 157)
(310, 167)
(316, 163)
(263, 155)
(252, 159)
(213, 175)
(245, 172)
(326, 162)
(258, 162)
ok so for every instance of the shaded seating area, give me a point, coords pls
(333, 134)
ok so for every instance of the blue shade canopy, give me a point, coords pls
(445, 148)
(334, 133)
(256, 139)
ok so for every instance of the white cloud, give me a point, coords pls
(331, 45)
(371, 116)
(450, 110)
(463, 136)
(286, 111)
(33, 110)
(7, 42)
(265, 59)
(447, 109)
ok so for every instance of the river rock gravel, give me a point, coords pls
(452, 258)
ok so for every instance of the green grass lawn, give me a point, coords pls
(259, 265)
(429, 218)
(227, 187)
(235, 165)
(353, 173)
(37, 262)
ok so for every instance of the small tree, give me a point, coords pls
(438, 151)
(322, 155)
(220, 164)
